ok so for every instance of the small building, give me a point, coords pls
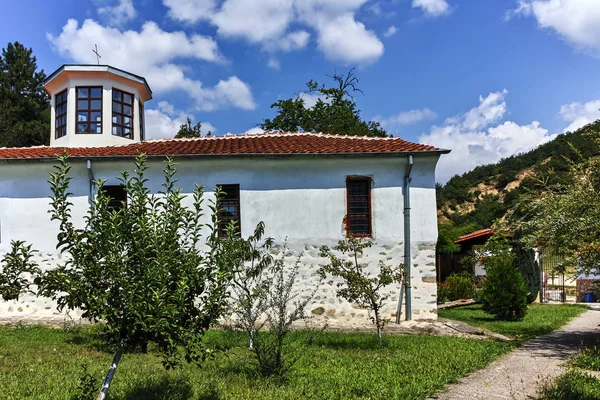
(310, 189)
(453, 263)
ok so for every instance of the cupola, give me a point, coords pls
(96, 105)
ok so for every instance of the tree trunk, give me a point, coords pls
(378, 323)
(110, 375)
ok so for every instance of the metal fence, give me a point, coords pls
(553, 277)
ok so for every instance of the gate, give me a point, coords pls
(553, 277)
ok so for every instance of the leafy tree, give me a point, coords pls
(24, 105)
(138, 268)
(335, 111)
(359, 285)
(529, 268)
(448, 234)
(504, 292)
(15, 264)
(188, 130)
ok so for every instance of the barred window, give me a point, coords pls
(60, 114)
(122, 114)
(89, 110)
(358, 198)
(229, 208)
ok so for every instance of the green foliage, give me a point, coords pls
(359, 285)
(24, 105)
(335, 111)
(459, 286)
(188, 130)
(14, 265)
(549, 164)
(448, 233)
(572, 385)
(504, 292)
(44, 363)
(88, 385)
(139, 269)
(529, 268)
(540, 319)
(588, 359)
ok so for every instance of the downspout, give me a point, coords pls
(90, 172)
(407, 283)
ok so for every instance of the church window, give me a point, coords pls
(60, 114)
(358, 199)
(118, 196)
(122, 114)
(229, 208)
(89, 109)
(142, 132)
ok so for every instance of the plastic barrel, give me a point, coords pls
(588, 297)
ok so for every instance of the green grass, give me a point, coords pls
(587, 359)
(539, 320)
(42, 363)
(573, 385)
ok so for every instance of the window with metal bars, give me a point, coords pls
(89, 110)
(122, 114)
(118, 196)
(60, 114)
(358, 199)
(229, 208)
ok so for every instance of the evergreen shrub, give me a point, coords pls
(459, 286)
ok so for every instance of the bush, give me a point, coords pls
(572, 385)
(459, 286)
(504, 292)
(529, 268)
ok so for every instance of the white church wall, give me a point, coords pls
(300, 199)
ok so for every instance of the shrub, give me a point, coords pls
(572, 385)
(529, 268)
(459, 286)
(14, 265)
(504, 292)
(442, 293)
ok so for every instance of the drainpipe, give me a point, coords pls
(407, 283)
(91, 178)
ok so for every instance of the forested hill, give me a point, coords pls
(477, 198)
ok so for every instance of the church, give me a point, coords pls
(310, 189)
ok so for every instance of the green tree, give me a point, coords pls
(24, 105)
(335, 111)
(138, 268)
(359, 285)
(16, 265)
(529, 268)
(188, 130)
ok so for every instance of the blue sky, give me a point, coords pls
(484, 78)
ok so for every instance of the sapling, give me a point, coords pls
(138, 268)
(358, 285)
(13, 267)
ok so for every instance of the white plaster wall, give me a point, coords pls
(301, 199)
(71, 139)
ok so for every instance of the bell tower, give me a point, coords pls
(96, 106)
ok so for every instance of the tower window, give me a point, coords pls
(122, 114)
(229, 208)
(89, 109)
(142, 133)
(358, 218)
(60, 114)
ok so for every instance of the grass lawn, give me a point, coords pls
(539, 320)
(43, 363)
(573, 385)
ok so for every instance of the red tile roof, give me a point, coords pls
(228, 145)
(476, 234)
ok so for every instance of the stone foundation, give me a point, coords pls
(325, 306)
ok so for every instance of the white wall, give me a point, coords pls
(301, 199)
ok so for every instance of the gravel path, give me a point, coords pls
(519, 374)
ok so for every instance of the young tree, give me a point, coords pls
(359, 285)
(138, 268)
(15, 264)
(335, 111)
(24, 104)
(529, 268)
(188, 130)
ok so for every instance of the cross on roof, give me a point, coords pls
(98, 56)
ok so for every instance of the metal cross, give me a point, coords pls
(98, 56)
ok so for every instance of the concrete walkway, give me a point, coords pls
(520, 374)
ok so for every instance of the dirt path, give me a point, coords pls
(519, 374)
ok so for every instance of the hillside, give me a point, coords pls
(477, 198)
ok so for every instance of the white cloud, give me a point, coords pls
(576, 21)
(152, 53)
(391, 31)
(580, 114)
(311, 99)
(479, 137)
(164, 122)
(118, 14)
(254, 130)
(432, 8)
(273, 63)
(406, 118)
(268, 22)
